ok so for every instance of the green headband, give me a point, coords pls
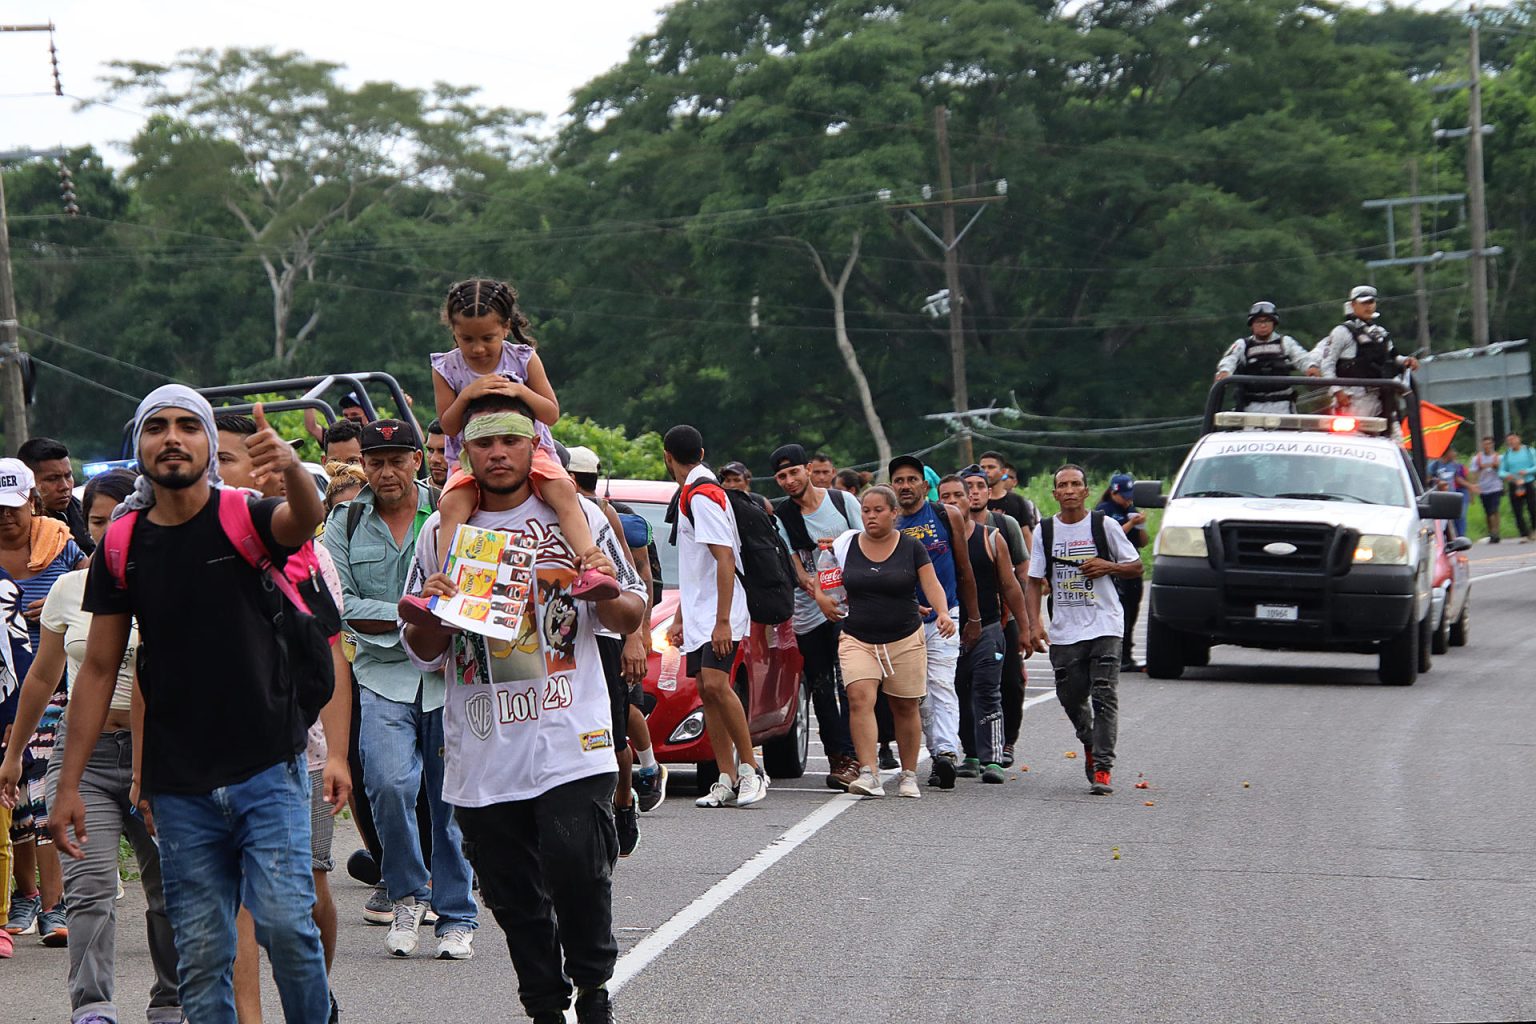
(498, 424)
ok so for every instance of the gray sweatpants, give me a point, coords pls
(1087, 674)
(90, 885)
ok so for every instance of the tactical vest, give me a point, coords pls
(1373, 352)
(1266, 359)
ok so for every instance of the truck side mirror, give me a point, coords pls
(1149, 494)
(1459, 544)
(1440, 505)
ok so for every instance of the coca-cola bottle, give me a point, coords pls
(829, 577)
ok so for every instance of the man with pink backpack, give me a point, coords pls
(233, 668)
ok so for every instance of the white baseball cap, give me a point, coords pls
(583, 460)
(16, 483)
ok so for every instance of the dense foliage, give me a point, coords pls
(1166, 164)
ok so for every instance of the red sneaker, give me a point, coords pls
(1101, 786)
(595, 586)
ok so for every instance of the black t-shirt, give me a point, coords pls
(881, 606)
(1015, 505)
(218, 705)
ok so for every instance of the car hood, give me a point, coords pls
(1382, 519)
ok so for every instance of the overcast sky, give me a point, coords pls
(520, 54)
(523, 54)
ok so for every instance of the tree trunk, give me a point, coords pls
(837, 290)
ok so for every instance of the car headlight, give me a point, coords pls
(1182, 542)
(690, 728)
(1380, 549)
(659, 642)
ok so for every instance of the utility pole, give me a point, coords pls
(1479, 213)
(1420, 293)
(949, 243)
(12, 389)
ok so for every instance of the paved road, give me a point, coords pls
(1317, 848)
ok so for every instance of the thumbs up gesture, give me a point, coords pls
(270, 454)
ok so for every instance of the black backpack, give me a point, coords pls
(765, 572)
(1047, 537)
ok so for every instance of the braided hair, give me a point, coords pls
(480, 296)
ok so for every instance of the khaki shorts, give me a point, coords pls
(901, 667)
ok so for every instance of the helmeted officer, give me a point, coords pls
(1361, 348)
(1265, 353)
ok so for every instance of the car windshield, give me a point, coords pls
(655, 513)
(1353, 477)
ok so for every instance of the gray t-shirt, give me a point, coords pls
(1486, 468)
(826, 521)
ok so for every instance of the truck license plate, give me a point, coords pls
(1277, 612)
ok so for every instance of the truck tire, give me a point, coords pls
(1461, 629)
(1399, 664)
(1197, 653)
(1165, 650)
(1426, 645)
(786, 757)
(1440, 639)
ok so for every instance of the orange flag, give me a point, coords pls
(1439, 428)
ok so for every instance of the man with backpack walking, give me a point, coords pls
(400, 732)
(712, 616)
(941, 530)
(809, 520)
(231, 678)
(1079, 558)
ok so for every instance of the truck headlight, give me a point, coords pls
(1182, 542)
(1381, 549)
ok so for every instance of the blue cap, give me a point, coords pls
(1122, 484)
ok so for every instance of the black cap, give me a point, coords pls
(738, 468)
(350, 399)
(787, 455)
(382, 435)
(904, 460)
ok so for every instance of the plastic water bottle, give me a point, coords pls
(671, 659)
(829, 577)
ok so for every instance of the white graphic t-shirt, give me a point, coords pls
(712, 522)
(526, 715)
(1082, 609)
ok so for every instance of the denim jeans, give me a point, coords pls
(90, 885)
(546, 873)
(1087, 675)
(825, 675)
(243, 844)
(979, 685)
(402, 749)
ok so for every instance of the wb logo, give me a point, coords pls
(480, 713)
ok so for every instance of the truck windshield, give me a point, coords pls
(1269, 474)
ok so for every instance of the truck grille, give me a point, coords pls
(1316, 547)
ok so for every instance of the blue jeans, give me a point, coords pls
(400, 744)
(246, 843)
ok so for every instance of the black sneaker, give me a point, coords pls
(363, 867)
(651, 787)
(970, 768)
(1007, 759)
(593, 1006)
(944, 770)
(629, 829)
(993, 774)
(888, 760)
(335, 1015)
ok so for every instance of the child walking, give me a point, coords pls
(494, 354)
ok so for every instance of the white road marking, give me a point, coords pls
(1503, 572)
(645, 952)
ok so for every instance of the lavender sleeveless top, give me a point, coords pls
(514, 362)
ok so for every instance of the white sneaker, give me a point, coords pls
(402, 939)
(752, 787)
(456, 944)
(719, 795)
(867, 784)
(908, 786)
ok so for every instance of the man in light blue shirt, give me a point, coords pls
(1518, 468)
(373, 542)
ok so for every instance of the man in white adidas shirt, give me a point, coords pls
(529, 753)
(1077, 555)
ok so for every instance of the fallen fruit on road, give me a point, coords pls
(1071, 754)
(1151, 803)
(1246, 786)
(1143, 785)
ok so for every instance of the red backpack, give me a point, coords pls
(304, 635)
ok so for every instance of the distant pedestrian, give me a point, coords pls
(1517, 467)
(437, 454)
(735, 476)
(850, 481)
(343, 443)
(1452, 475)
(49, 462)
(1074, 560)
(1489, 487)
(822, 470)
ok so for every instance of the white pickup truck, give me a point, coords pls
(1294, 532)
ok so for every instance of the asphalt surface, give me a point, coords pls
(1311, 846)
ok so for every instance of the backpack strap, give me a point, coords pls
(236, 522)
(115, 546)
(1048, 546)
(941, 513)
(840, 502)
(710, 488)
(1100, 537)
(793, 519)
(355, 518)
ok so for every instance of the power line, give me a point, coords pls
(99, 355)
(86, 380)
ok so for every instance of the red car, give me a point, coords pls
(1451, 607)
(767, 671)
